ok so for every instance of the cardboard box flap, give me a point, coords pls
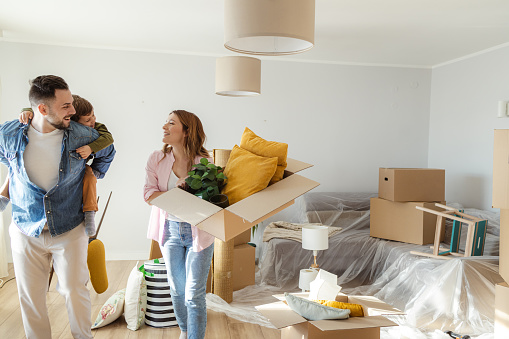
(280, 315)
(278, 194)
(353, 323)
(295, 166)
(185, 206)
(373, 306)
(297, 294)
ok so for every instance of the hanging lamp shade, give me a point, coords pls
(238, 76)
(269, 27)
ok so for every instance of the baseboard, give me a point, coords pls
(127, 255)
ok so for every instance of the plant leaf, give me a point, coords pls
(196, 184)
(204, 161)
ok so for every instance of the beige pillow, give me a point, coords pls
(259, 146)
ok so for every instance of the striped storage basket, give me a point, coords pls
(159, 311)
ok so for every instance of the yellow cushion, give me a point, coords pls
(355, 309)
(247, 173)
(97, 266)
(259, 146)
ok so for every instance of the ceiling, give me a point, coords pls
(413, 33)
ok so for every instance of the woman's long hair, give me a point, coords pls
(195, 138)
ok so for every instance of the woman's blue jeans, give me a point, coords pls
(187, 276)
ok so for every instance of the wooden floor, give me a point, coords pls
(219, 325)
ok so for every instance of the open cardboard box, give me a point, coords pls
(226, 223)
(292, 325)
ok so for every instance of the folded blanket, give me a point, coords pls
(286, 230)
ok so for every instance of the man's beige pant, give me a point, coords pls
(32, 259)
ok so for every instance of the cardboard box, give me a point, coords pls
(401, 221)
(503, 264)
(243, 273)
(502, 311)
(292, 325)
(411, 184)
(501, 169)
(229, 222)
(242, 238)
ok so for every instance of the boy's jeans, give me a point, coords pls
(187, 276)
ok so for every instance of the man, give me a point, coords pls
(46, 185)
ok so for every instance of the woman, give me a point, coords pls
(187, 250)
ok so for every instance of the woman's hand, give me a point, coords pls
(153, 196)
(181, 182)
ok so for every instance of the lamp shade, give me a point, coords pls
(269, 27)
(238, 76)
(315, 238)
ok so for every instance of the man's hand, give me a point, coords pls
(25, 116)
(84, 151)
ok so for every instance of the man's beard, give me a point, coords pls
(52, 120)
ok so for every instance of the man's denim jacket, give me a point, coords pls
(62, 206)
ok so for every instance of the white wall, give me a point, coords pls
(346, 120)
(464, 102)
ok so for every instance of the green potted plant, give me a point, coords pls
(206, 181)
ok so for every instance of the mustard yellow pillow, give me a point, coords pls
(247, 174)
(259, 146)
(356, 310)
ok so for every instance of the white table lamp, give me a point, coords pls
(315, 238)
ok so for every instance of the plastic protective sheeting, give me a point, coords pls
(436, 295)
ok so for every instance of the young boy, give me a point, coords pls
(85, 116)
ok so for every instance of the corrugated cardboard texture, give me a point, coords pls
(501, 169)
(243, 266)
(504, 245)
(411, 184)
(401, 221)
(502, 311)
(223, 269)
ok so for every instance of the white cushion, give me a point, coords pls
(135, 299)
(111, 310)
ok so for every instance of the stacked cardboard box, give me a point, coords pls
(243, 272)
(243, 261)
(501, 200)
(393, 214)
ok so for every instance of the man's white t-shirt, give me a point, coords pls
(42, 157)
